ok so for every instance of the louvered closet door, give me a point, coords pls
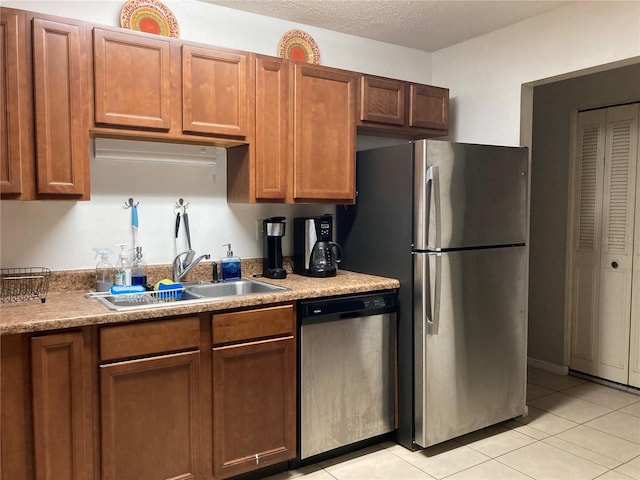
(634, 343)
(588, 175)
(618, 216)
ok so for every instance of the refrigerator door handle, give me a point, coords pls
(432, 307)
(432, 190)
(434, 322)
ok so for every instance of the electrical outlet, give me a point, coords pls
(258, 230)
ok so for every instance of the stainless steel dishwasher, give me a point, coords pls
(346, 370)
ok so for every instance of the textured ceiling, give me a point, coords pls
(422, 24)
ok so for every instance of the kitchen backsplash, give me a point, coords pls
(61, 235)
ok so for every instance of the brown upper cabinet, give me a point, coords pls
(324, 134)
(305, 130)
(16, 175)
(394, 107)
(132, 80)
(258, 172)
(214, 91)
(146, 83)
(45, 86)
(290, 128)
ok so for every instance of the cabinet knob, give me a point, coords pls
(614, 264)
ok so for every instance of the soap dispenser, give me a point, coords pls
(122, 275)
(104, 270)
(231, 268)
(139, 269)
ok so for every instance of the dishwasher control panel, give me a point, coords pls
(361, 304)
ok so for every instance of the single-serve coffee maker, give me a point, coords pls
(272, 233)
(314, 252)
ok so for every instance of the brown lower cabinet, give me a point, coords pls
(254, 399)
(152, 399)
(149, 417)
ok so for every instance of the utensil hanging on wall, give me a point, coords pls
(134, 219)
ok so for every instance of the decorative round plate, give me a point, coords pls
(298, 45)
(150, 16)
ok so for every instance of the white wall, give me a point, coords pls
(490, 105)
(61, 235)
(485, 75)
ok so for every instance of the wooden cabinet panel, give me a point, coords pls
(150, 418)
(62, 440)
(60, 80)
(382, 100)
(428, 107)
(271, 139)
(214, 91)
(16, 432)
(132, 80)
(254, 405)
(402, 109)
(324, 138)
(15, 134)
(161, 336)
(253, 324)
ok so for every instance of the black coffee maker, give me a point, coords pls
(272, 233)
(315, 254)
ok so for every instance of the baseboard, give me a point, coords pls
(548, 366)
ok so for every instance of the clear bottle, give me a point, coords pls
(139, 269)
(104, 270)
(230, 266)
(122, 271)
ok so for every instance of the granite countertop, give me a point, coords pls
(72, 308)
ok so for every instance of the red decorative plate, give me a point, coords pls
(150, 16)
(298, 45)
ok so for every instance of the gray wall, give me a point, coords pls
(553, 105)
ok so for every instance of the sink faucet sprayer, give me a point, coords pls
(181, 268)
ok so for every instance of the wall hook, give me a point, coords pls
(181, 205)
(130, 203)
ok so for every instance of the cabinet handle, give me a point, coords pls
(614, 264)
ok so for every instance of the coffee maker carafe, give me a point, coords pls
(315, 254)
(272, 233)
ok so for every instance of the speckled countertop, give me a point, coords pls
(71, 308)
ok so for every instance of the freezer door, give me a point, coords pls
(469, 195)
(470, 341)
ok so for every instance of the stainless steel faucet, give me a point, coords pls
(181, 268)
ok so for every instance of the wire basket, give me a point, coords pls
(21, 284)
(127, 301)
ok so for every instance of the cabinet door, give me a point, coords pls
(214, 91)
(254, 409)
(324, 138)
(62, 135)
(382, 100)
(428, 107)
(150, 418)
(271, 142)
(132, 80)
(15, 156)
(61, 422)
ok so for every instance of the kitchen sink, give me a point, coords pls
(191, 293)
(230, 289)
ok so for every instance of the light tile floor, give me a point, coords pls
(575, 430)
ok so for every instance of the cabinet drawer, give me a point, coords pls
(122, 341)
(252, 324)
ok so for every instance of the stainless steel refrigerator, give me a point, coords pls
(449, 220)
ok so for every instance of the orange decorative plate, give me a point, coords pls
(298, 45)
(150, 16)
